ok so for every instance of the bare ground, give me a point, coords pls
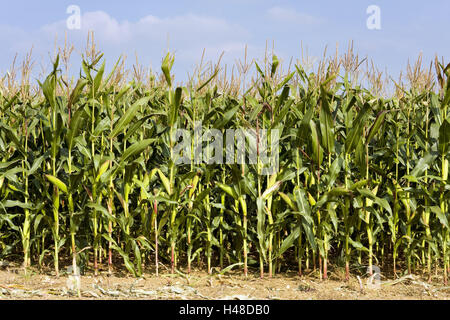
(14, 284)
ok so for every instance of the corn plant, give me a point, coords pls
(89, 170)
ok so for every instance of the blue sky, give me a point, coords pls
(148, 28)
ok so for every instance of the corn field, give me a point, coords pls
(88, 177)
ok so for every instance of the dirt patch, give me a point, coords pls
(14, 284)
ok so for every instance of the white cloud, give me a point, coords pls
(106, 28)
(189, 29)
(149, 37)
(292, 16)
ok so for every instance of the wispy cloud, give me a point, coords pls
(188, 29)
(186, 34)
(148, 37)
(288, 15)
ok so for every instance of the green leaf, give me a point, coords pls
(11, 135)
(36, 164)
(58, 183)
(288, 201)
(165, 182)
(208, 81)
(355, 134)
(334, 170)
(317, 150)
(271, 190)
(76, 123)
(384, 204)
(441, 216)
(4, 165)
(173, 115)
(275, 63)
(308, 229)
(285, 81)
(289, 240)
(258, 68)
(98, 78)
(360, 157)
(128, 116)
(260, 225)
(281, 99)
(326, 123)
(135, 149)
(222, 121)
(126, 260)
(76, 92)
(305, 129)
(357, 245)
(367, 193)
(230, 267)
(422, 165)
(359, 184)
(339, 191)
(302, 203)
(166, 67)
(101, 209)
(11, 204)
(376, 126)
(444, 137)
(229, 190)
